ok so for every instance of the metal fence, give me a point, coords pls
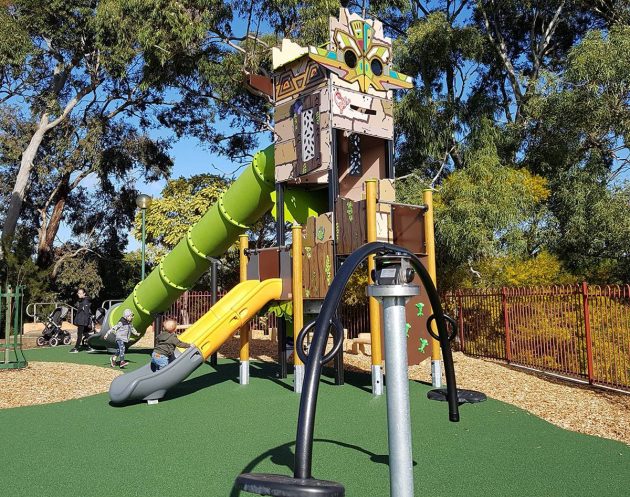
(577, 331)
(192, 305)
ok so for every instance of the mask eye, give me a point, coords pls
(377, 67)
(350, 58)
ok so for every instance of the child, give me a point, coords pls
(166, 343)
(122, 329)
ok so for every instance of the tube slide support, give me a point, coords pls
(243, 376)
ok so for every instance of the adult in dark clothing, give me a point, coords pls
(166, 343)
(82, 319)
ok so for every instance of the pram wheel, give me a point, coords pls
(67, 339)
(41, 341)
(53, 342)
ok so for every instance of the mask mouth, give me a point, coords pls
(363, 110)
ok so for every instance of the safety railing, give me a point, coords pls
(38, 311)
(580, 332)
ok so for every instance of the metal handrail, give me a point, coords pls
(31, 309)
(107, 304)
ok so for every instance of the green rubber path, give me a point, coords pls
(209, 429)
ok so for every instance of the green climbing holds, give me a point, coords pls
(423, 345)
(420, 307)
(407, 328)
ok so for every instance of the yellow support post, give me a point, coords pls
(298, 303)
(243, 243)
(375, 315)
(429, 236)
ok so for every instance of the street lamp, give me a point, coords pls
(143, 201)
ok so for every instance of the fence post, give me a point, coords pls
(506, 324)
(587, 329)
(460, 318)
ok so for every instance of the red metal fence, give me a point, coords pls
(192, 305)
(577, 331)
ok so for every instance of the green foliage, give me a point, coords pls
(542, 269)
(79, 272)
(183, 202)
(480, 210)
(354, 294)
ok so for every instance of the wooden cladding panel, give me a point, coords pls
(351, 228)
(408, 228)
(317, 269)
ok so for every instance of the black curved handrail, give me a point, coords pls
(312, 374)
(337, 341)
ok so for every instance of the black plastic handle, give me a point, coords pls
(337, 341)
(452, 322)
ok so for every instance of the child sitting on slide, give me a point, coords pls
(166, 343)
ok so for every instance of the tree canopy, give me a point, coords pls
(519, 118)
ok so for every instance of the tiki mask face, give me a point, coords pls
(358, 55)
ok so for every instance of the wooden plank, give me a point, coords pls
(308, 232)
(323, 228)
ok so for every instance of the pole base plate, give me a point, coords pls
(287, 486)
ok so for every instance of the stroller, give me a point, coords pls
(96, 321)
(53, 335)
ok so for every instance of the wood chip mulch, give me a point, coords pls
(47, 382)
(567, 405)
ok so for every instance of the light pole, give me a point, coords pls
(143, 201)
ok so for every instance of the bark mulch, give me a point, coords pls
(47, 382)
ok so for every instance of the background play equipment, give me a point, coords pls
(206, 335)
(302, 484)
(11, 322)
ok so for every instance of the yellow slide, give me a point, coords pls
(230, 313)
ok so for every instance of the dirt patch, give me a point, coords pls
(47, 382)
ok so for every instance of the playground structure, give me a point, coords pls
(330, 172)
(11, 322)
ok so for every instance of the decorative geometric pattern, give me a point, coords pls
(354, 141)
(289, 84)
(308, 135)
(359, 56)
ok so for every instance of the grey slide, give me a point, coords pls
(145, 384)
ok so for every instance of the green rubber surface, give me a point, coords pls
(209, 429)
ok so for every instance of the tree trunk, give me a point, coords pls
(21, 182)
(50, 225)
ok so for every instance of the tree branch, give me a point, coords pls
(71, 255)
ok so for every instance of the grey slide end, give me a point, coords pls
(145, 384)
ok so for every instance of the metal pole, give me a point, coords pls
(429, 236)
(298, 304)
(398, 415)
(394, 298)
(244, 332)
(7, 327)
(213, 278)
(375, 317)
(143, 238)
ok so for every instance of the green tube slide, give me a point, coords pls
(241, 205)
